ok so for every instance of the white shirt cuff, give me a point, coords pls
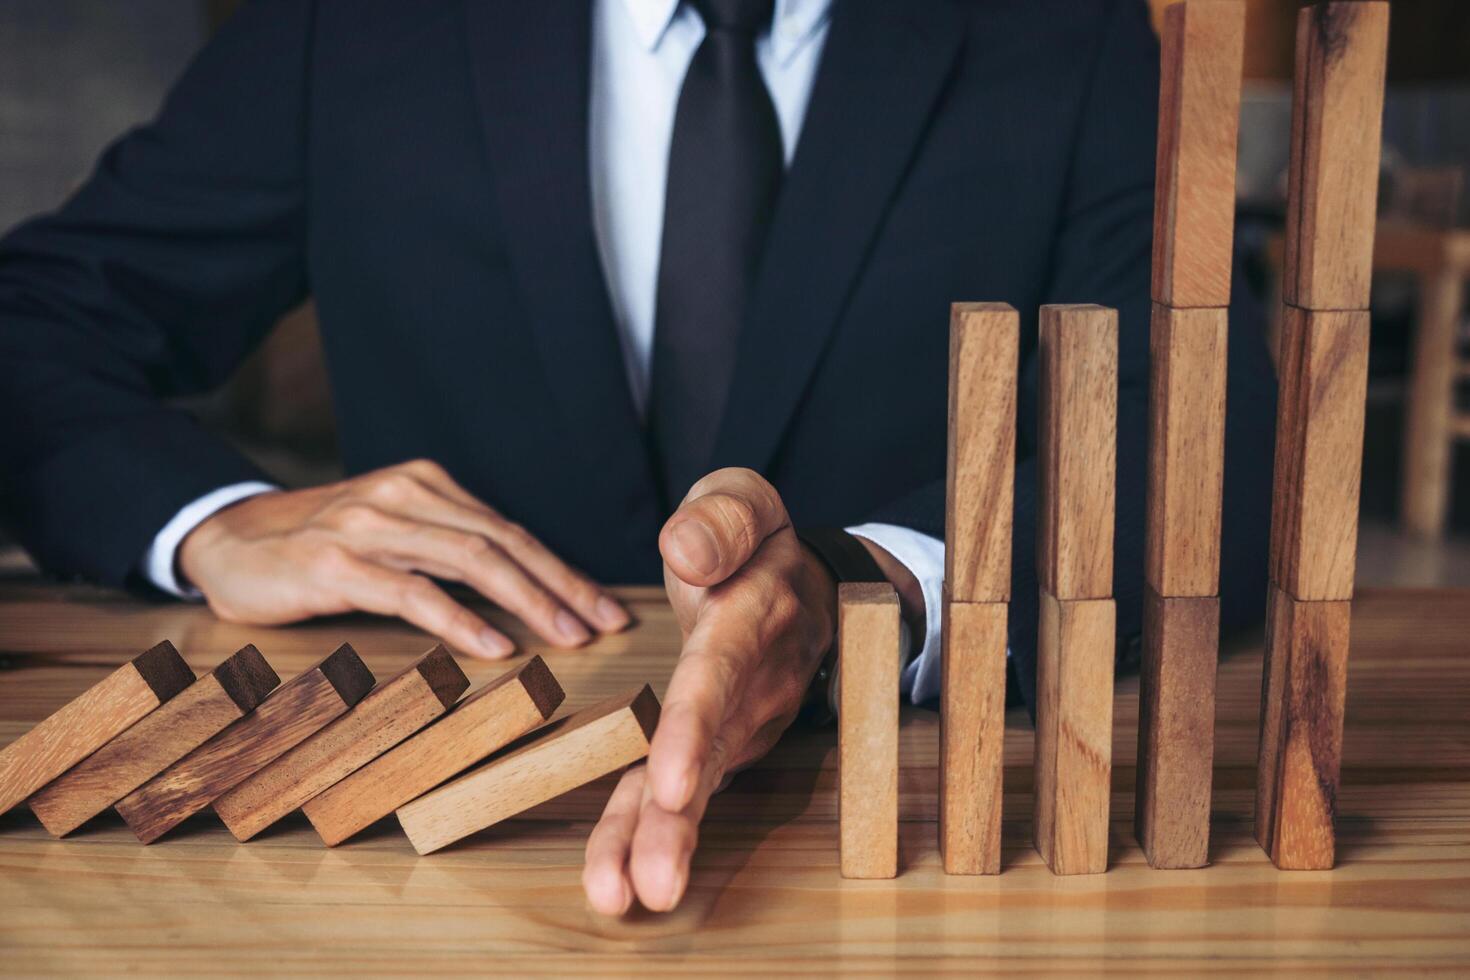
(923, 556)
(158, 560)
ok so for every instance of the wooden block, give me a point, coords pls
(1074, 733)
(89, 721)
(1077, 463)
(161, 738)
(984, 346)
(296, 710)
(387, 716)
(1176, 729)
(1303, 695)
(485, 722)
(972, 723)
(867, 729)
(1336, 130)
(569, 752)
(1319, 452)
(1199, 118)
(1186, 452)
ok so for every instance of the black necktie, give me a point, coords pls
(725, 167)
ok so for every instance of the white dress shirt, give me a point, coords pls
(641, 50)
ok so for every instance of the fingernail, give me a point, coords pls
(571, 628)
(694, 545)
(611, 615)
(495, 644)
(676, 892)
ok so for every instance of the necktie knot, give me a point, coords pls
(748, 17)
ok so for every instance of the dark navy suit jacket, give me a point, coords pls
(420, 168)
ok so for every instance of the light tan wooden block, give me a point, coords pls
(867, 729)
(569, 752)
(485, 722)
(1176, 729)
(161, 738)
(1199, 118)
(1303, 697)
(984, 352)
(1319, 452)
(297, 709)
(1336, 131)
(972, 724)
(387, 716)
(1074, 733)
(90, 720)
(1186, 450)
(1077, 458)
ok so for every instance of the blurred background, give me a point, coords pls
(74, 74)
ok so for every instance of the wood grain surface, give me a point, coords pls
(1077, 458)
(396, 709)
(984, 351)
(765, 895)
(159, 739)
(1199, 118)
(90, 720)
(297, 709)
(867, 729)
(1176, 728)
(488, 720)
(972, 722)
(1336, 128)
(572, 751)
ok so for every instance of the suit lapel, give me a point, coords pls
(883, 68)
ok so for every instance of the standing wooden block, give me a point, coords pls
(90, 720)
(1319, 452)
(1186, 452)
(565, 754)
(1074, 733)
(296, 710)
(1303, 695)
(867, 729)
(485, 722)
(972, 724)
(1077, 465)
(161, 738)
(1199, 117)
(1336, 130)
(1176, 728)
(984, 346)
(397, 709)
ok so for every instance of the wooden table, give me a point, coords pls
(765, 894)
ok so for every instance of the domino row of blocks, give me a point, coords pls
(1336, 121)
(160, 745)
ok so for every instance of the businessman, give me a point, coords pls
(611, 291)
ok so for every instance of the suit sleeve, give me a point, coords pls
(153, 281)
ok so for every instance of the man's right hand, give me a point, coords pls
(370, 543)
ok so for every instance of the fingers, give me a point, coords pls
(639, 848)
(720, 525)
(605, 873)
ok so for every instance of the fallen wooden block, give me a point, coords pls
(984, 347)
(1319, 452)
(1077, 457)
(1074, 733)
(867, 729)
(1336, 130)
(485, 722)
(161, 738)
(293, 712)
(1186, 461)
(1176, 729)
(1199, 119)
(563, 755)
(1303, 696)
(391, 713)
(89, 721)
(972, 722)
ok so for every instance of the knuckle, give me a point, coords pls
(393, 487)
(516, 536)
(737, 520)
(358, 518)
(424, 467)
(475, 547)
(331, 561)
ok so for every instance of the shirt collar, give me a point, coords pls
(795, 21)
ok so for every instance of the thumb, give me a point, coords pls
(723, 520)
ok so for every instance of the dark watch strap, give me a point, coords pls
(848, 561)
